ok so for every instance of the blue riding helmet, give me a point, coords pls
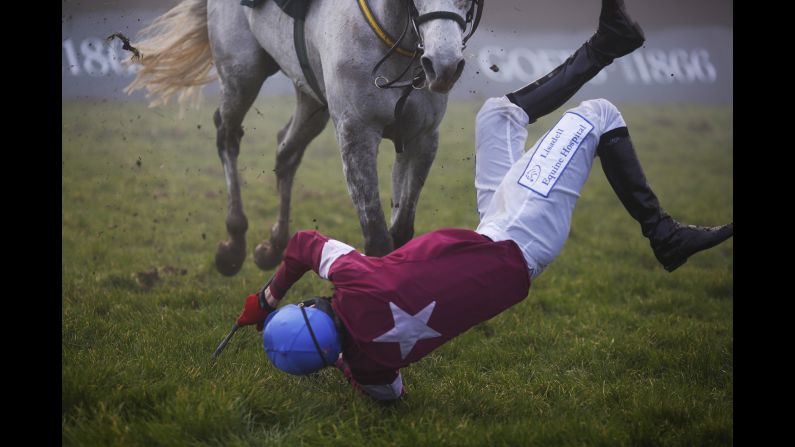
(299, 339)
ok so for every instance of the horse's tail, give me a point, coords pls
(176, 55)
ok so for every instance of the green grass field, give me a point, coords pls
(607, 349)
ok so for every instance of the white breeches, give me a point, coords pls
(529, 197)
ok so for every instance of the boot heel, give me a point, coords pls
(671, 267)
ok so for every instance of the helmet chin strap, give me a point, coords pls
(312, 333)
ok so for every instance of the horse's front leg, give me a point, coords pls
(408, 177)
(359, 147)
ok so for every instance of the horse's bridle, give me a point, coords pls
(473, 16)
(416, 19)
(417, 81)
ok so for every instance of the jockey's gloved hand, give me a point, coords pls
(256, 309)
(253, 313)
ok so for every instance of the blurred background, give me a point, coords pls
(687, 57)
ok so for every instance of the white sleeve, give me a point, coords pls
(332, 250)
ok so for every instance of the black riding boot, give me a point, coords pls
(671, 241)
(618, 35)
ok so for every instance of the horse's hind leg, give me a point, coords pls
(308, 121)
(241, 80)
(408, 177)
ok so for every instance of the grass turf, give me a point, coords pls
(607, 349)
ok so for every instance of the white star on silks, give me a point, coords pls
(409, 329)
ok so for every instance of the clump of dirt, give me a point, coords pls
(147, 279)
(663, 121)
(171, 270)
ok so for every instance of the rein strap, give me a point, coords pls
(379, 30)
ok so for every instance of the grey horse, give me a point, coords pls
(247, 45)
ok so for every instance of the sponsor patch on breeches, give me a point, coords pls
(554, 152)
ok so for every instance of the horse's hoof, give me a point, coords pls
(229, 258)
(266, 257)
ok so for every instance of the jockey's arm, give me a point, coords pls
(388, 391)
(382, 385)
(307, 250)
